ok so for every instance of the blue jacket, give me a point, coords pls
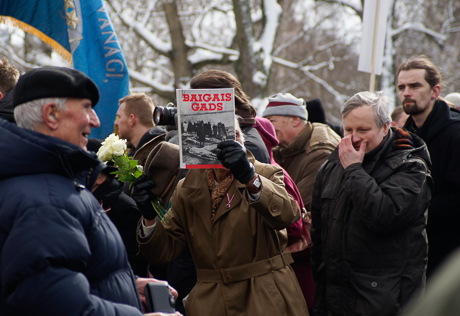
(59, 252)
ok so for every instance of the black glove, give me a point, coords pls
(233, 157)
(140, 192)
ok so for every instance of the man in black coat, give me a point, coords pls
(121, 209)
(419, 87)
(369, 213)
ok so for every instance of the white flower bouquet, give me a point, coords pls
(113, 149)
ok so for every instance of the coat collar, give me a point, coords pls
(200, 197)
(438, 119)
(299, 143)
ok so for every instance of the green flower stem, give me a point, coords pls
(161, 212)
(129, 172)
(127, 168)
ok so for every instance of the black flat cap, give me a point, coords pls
(54, 82)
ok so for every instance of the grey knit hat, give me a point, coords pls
(287, 105)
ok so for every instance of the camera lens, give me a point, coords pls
(164, 115)
(157, 115)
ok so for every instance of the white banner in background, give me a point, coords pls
(365, 56)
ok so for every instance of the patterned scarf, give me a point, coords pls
(218, 189)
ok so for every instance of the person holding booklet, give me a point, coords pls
(233, 221)
(218, 79)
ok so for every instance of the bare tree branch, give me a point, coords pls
(416, 26)
(139, 29)
(358, 9)
(166, 91)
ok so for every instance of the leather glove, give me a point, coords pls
(233, 157)
(141, 194)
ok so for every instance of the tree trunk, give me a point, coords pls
(245, 66)
(180, 64)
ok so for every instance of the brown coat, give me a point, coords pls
(304, 156)
(232, 254)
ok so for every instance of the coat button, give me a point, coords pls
(374, 284)
(274, 207)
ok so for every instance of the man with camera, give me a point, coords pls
(135, 120)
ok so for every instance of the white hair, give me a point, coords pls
(30, 114)
(376, 100)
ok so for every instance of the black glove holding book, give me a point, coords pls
(142, 195)
(233, 157)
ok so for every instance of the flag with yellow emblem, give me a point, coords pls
(82, 32)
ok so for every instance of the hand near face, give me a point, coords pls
(348, 154)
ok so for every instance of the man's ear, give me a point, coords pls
(386, 128)
(51, 115)
(101, 178)
(1, 95)
(132, 119)
(436, 92)
(295, 121)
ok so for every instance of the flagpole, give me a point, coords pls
(374, 46)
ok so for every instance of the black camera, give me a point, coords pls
(158, 298)
(165, 115)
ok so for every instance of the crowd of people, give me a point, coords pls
(373, 203)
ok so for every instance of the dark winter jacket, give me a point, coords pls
(441, 133)
(368, 230)
(123, 212)
(149, 135)
(253, 141)
(6, 107)
(59, 252)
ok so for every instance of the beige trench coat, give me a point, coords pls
(232, 254)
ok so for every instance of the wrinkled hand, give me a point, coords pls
(348, 154)
(233, 157)
(142, 282)
(140, 192)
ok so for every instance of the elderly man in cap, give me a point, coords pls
(59, 253)
(303, 146)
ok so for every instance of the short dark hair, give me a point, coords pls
(432, 74)
(141, 105)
